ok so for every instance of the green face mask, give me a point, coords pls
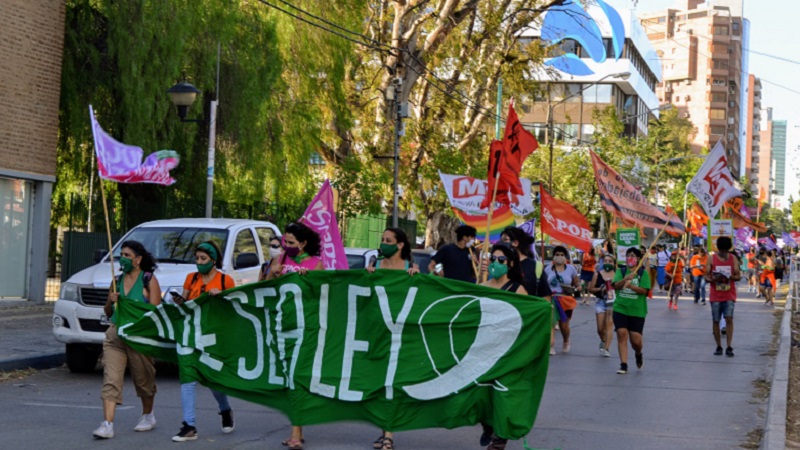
(608, 267)
(126, 264)
(497, 270)
(205, 268)
(387, 250)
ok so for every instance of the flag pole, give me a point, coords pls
(666, 224)
(108, 234)
(485, 252)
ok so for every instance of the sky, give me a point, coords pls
(774, 30)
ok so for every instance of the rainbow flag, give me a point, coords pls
(502, 217)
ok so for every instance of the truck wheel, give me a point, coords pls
(81, 358)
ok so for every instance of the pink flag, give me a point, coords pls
(319, 216)
(123, 163)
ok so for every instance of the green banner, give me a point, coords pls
(400, 352)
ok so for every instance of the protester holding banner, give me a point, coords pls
(207, 279)
(588, 266)
(275, 250)
(722, 272)
(698, 264)
(505, 274)
(564, 281)
(631, 284)
(605, 295)
(137, 283)
(456, 259)
(301, 253)
(532, 271)
(395, 250)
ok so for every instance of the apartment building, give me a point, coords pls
(765, 169)
(704, 71)
(591, 48)
(752, 147)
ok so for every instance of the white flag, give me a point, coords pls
(467, 193)
(713, 184)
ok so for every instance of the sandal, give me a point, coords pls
(288, 443)
(388, 444)
(378, 444)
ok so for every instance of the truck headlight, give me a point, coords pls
(69, 292)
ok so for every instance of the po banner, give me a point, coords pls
(403, 352)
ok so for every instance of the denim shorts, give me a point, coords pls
(722, 309)
(600, 306)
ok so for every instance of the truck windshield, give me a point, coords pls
(174, 244)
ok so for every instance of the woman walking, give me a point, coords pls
(603, 290)
(698, 263)
(504, 269)
(136, 283)
(301, 250)
(564, 281)
(207, 279)
(768, 282)
(588, 266)
(396, 255)
(630, 308)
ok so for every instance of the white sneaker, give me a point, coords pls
(146, 423)
(606, 353)
(105, 431)
(552, 351)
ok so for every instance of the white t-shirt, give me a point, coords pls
(663, 258)
(567, 276)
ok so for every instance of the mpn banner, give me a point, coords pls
(401, 352)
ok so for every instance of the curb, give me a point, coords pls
(775, 431)
(47, 361)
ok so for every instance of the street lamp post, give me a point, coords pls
(550, 123)
(400, 111)
(182, 96)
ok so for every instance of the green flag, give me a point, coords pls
(402, 352)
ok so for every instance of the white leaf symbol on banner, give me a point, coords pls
(497, 331)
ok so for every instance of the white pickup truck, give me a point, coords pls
(78, 319)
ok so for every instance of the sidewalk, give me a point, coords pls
(26, 336)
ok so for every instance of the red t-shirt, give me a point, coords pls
(722, 292)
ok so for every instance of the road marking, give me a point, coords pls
(56, 405)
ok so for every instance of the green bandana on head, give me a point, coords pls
(208, 248)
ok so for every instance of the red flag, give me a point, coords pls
(563, 222)
(495, 157)
(506, 158)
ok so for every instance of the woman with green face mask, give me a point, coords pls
(505, 274)
(137, 283)
(207, 280)
(603, 290)
(395, 251)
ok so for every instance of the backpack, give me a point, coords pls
(197, 274)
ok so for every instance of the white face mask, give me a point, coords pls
(470, 242)
(275, 252)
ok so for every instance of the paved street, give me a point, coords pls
(684, 398)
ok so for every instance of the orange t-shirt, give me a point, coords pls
(750, 258)
(678, 272)
(195, 288)
(697, 259)
(589, 263)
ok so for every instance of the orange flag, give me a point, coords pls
(732, 210)
(563, 222)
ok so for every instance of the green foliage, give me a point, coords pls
(796, 214)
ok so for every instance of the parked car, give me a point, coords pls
(360, 258)
(78, 318)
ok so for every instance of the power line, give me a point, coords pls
(384, 48)
(781, 58)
